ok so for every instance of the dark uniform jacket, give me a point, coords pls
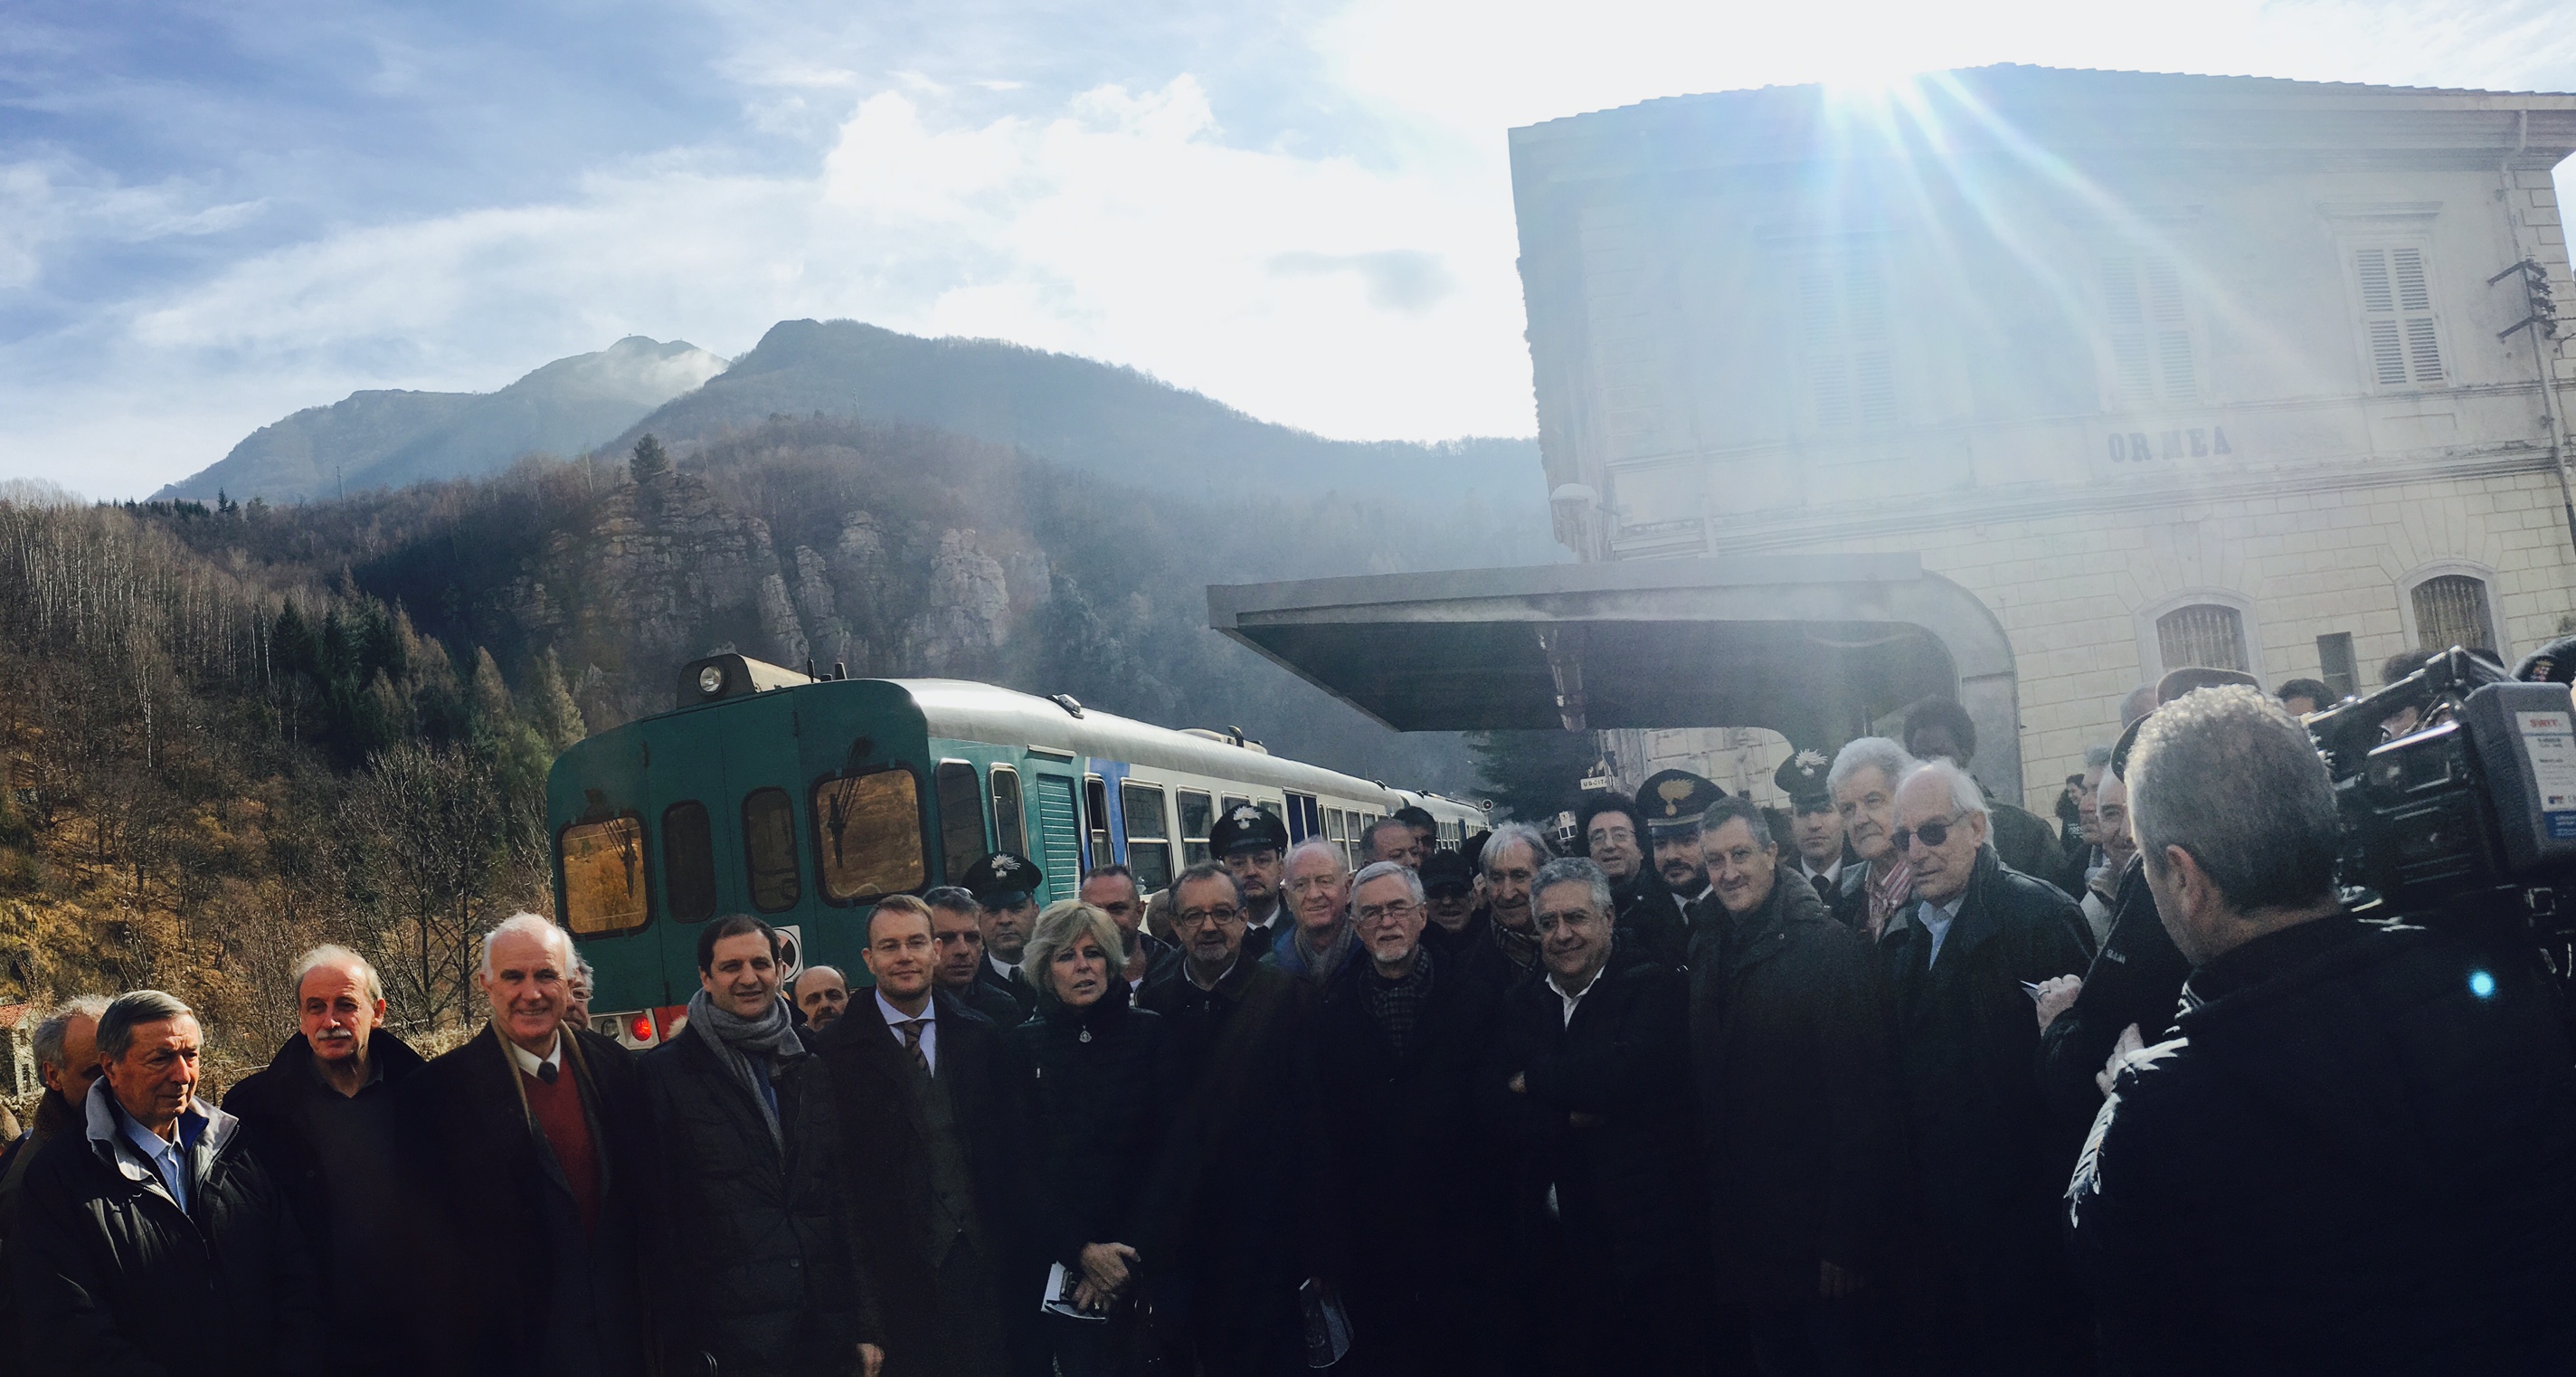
(318, 1163)
(2136, 978)
(1989, 1162)
(753, 1257)
(2353, 1159)
(995, 993)
(1791, 1059)
(541, 1290)
(1418, 1181)
(1624, 1226)
(1648, 918)
(886, 1132)
(1244, 1176)
(111, 1277)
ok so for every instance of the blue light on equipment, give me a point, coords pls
(2481, 984)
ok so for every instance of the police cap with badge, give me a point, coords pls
(1004, 879)
(1673, 800)
(1802, 778)
(1246, 828)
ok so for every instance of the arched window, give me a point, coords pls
(2207, 635)
(2451, 609)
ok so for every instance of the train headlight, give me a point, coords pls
(711, 679)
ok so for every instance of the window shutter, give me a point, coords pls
(2150, 331)
(2452, 610)
(2397, 314)
(2203, 635)
(1851, 373)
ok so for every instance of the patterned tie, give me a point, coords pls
(912, 1042)
(1825, 888)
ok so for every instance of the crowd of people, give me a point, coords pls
(1898, 1079)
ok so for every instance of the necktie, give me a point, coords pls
(546, 1072)
(912, 1042)
(1825, 888)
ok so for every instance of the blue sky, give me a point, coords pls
(211, 215)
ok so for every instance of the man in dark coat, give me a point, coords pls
(2353, 1158)
(1006, 886)
(2131, 992)
(1988, 1166)
(1798, 1118)
(151, 1240)
(544, 1125)
(957, 929)
(1417, 1195)
(1590, 1075)
(323, 1118)
(1650, 914)
(933, 1104)
(753, 1250)
(67, 1065)
(1241, 1237)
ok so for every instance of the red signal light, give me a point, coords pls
(640, 1028)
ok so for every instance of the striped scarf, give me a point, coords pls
(1888, 895)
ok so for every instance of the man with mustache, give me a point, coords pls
(1673, 802)
(322, 1117)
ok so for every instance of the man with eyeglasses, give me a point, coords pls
(1591, 1065)
(1245, 1166)
(1787, 1039)
(1649, 914)
(1964, 962)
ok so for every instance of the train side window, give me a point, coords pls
(1271, 806)
(603, 875)
(688, 862)
(1010, 829)
(1095, 816)
(769, 850)
(867, 833)
(1198, 814)
(1149, 842)
(1337, 830)
(1229, 803)
(961, 817)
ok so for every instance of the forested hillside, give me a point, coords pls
(235, 730)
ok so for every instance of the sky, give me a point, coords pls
(212, 215)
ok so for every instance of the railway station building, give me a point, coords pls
(2163, 370)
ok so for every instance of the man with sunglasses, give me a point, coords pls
(1990, 1162)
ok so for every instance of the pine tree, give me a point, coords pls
(558, 718)
(1534, 774)
(650, 461)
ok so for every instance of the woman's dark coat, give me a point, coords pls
(754, 1250)
(499, 1285)
(111, 1278)
(1418, 1182)
(1101, 1110)
(886, 1136)
(1790, 1056)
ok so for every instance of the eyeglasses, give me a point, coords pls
(1613, 836)
(1189, 919)
(1931, 833)
(1370, 913)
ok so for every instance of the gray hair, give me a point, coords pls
(1869, 753)
(333, 954)
(57, 1026)
(117, 1022)
(1966, 799)
(2229, 776)
(1368, 834)
(1505, 836)
(1065, 922)
(531, 925)
(1383, 870)
(2097, 757)
(1574, 870)
(1332, 849)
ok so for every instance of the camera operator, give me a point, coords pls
(2354, 1156)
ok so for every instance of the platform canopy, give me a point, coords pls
(1814, 647)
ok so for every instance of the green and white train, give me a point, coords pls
(805, 800)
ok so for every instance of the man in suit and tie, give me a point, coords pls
(962, 973)
(933, 1101)
(545, 1124)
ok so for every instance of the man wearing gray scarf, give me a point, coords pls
(753, 1252)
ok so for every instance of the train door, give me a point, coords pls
(1055, 831)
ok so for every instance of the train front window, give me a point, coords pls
(769, 850)
(867, 830)
(961, 817)
(688, 862)
(1198, 814)
(1010, 830)
(603, 875)
(1149, 845)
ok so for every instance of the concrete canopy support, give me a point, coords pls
(1814, 647)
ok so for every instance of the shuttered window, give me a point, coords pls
(2397, 316)
(1842, 311)
(2150, 330)
(2204, 635)
(2452, 610)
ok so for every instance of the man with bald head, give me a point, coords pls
(1961, 961)
(323, 1117)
